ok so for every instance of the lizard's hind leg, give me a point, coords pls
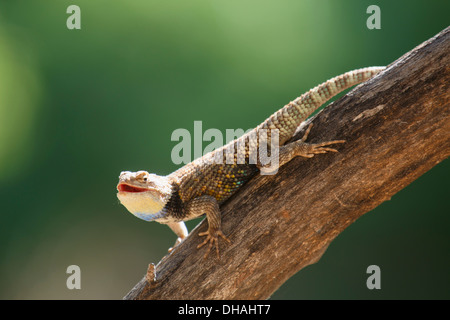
(303, 149)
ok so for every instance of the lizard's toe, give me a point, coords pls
(213, 239)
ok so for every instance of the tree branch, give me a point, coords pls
(397, 127)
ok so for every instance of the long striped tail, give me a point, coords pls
(288, 118)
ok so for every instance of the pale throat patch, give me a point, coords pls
(141, 203)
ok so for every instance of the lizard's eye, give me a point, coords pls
(142, 176)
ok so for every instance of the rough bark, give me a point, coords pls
(397, 127)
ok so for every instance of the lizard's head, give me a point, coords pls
(142, 193)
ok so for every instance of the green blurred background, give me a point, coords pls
(79, 106)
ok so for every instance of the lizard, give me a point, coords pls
(201, 186)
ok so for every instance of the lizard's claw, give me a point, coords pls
(213, 239)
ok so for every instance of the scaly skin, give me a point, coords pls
(201, 186)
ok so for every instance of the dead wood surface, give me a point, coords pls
(397, 127)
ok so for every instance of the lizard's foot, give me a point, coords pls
(308, 150)
(212, 236)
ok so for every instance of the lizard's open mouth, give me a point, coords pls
(123, 187)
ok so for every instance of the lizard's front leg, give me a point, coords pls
(208, 205)
(180, 230)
